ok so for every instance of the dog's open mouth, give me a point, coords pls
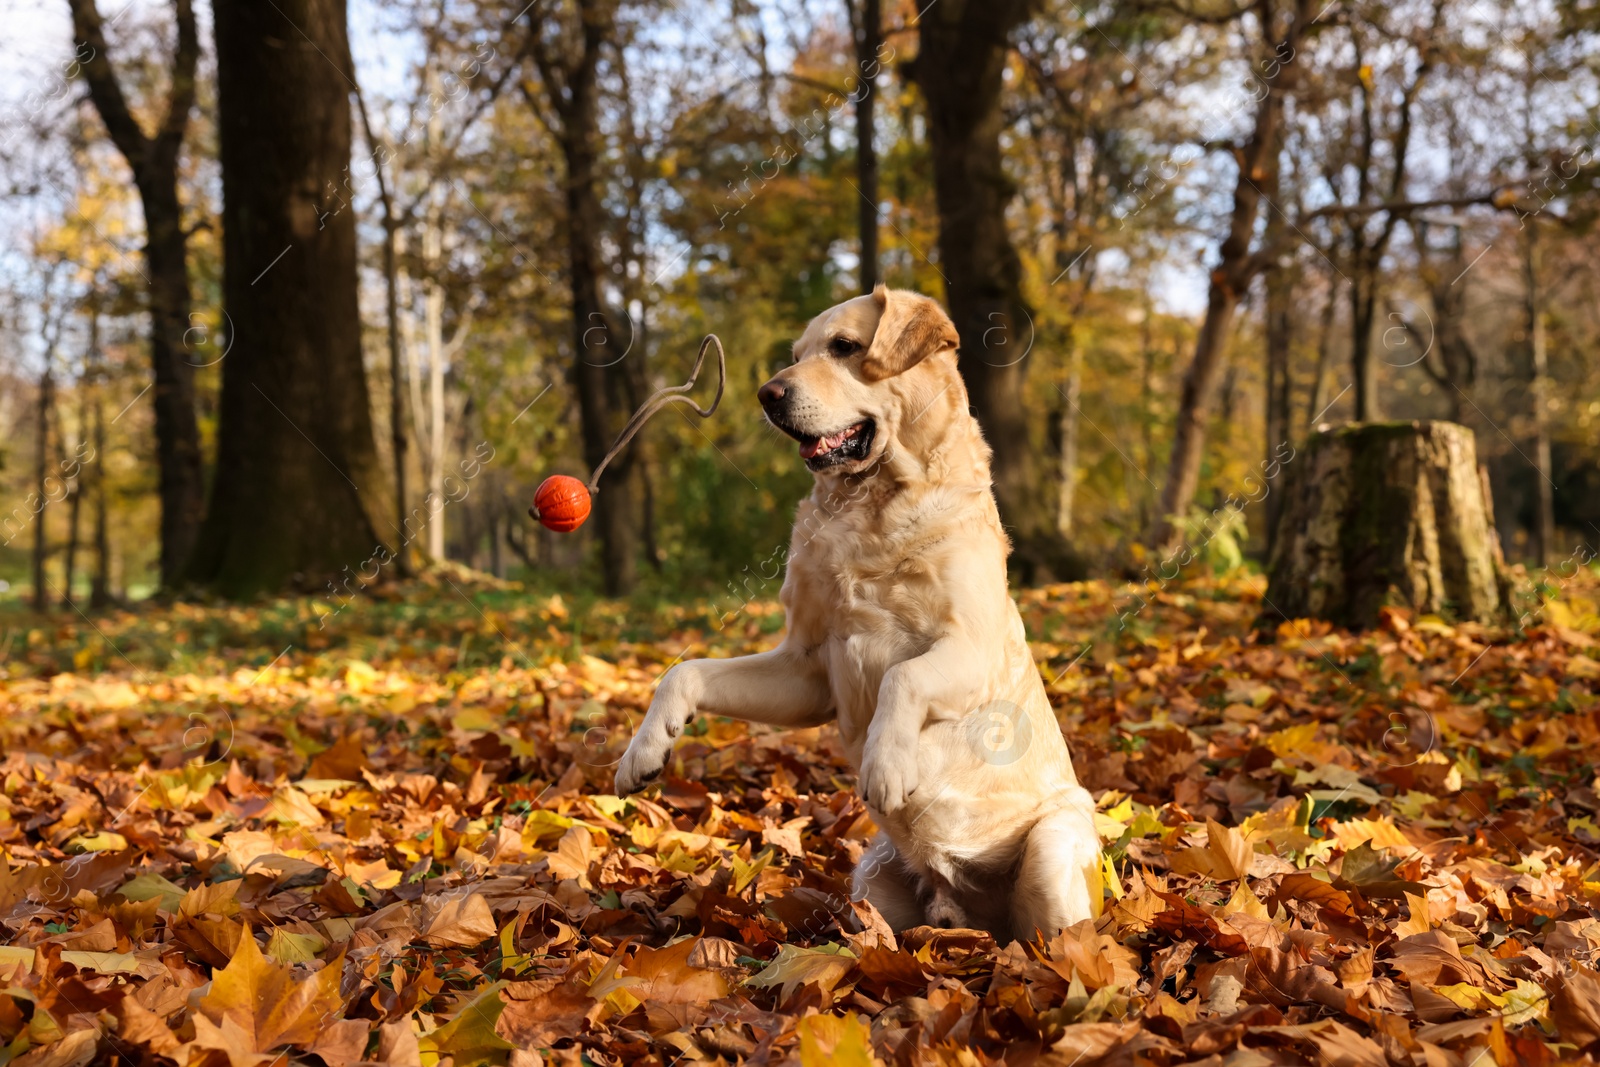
(847, 445)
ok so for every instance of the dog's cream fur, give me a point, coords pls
(901, 630)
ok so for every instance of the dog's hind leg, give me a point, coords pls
(1058, 881)
(883, 878)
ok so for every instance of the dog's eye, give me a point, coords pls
(843, 347)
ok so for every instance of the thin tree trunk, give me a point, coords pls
(1363, 357)
(497, 563)
(298, 483)
(91, 478)
(1456, 351)
(433, 315)
(647, 524)
(41, 467)
(1544, 525)
(1314, 402)
(391, 310)
(1147, 372)
(100, 581)
(154, 161)
(1282, 280)
(1069, 434)
(1195, 402)
(1257, 163)
(69, 559)
(415, 348)
(433, 336)
(1366, 256)
(869, 39)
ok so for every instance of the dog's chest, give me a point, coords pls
(864, 611)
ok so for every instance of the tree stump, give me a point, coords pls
(1384, 513)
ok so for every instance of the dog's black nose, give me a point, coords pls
(770, 393)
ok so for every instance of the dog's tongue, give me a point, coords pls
(825, 444)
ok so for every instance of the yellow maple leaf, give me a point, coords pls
(1226, 855)
(265, 1005)
(571, 859)
(745, 873)
(469, 1039)
(835, 1041)
(613, 989)
(1381, 832)
(794, 967)
(1244, 901)
(1419, 922)
(216, 898)
(104, 841)
(1471, 997)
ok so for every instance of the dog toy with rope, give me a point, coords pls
(562, 502)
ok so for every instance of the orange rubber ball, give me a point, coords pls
(561, 504)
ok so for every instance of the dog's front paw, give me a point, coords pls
(647, 753)
(641, 764)
(888, 777)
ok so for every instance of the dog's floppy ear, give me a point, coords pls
(910, 328)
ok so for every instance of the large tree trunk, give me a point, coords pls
(568, 62)
(177, 431)
(297, 481)
(600, 383)
(1381, 513)
(154, 161)
(869, 38)
(964, 45)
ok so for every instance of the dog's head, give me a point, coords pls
(872, 377)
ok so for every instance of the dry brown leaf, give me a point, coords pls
(675, 993)
(1575, 1006)
(541, 1012)
(342, 1042)
(458, 920)
(74, 1050)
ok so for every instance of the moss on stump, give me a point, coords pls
(1384, 513)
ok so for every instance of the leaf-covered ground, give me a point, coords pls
(270, 835)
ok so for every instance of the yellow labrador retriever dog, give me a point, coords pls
(900, 629)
